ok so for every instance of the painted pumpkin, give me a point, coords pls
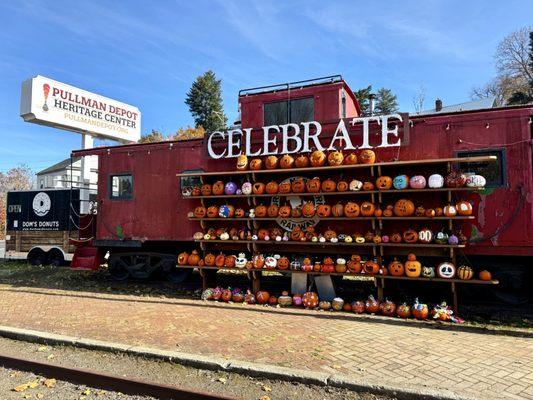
(417, 182)
(262, 297)
(297, 234)
(464, 208)
(318, 158)
(302, 161)
(206, 189)
(355, 185)
(396, 237)
(465, 272)
(283, 263)
(455, 179)
(261, 211)
(476, 181)
(368, 186)
(425, 236)
(396, 268)
(446, 270)
(313, 185)
(194, 258)
(308, 210)
(430, 213)
(337, 210)
(183, 258)
(428, 272)
(450, 211)
(328, 186)
(284, 187)
(335, 158)
(420, 211)
(329, 235)
(387, 308)
(239, 213)
(199, 212)
(413, 268)
(271, 187)
(242, 162)
(384, 183)
(410, 236)
(435, 181)
(246, 188)
(219, 260)
(310, 300)
(401, 182)
(286, 162)
(371, 305)
(358, 307)
(284, 211)
(256, 164)
(263, 234)
(209, 259)
(403, 311)
(298, 185)
(212, 212)
(354, 264)
(367, 209)
(196, 191)
(342, 186)
(351, 209)
(258, 261)
(404, 208)
(441, 237)
(367, 156)
(296, 212)
(323, 211)
(419, 310)
(350, 159)
(271, 162)
(218, 188)
(485, 275)
(229, 261)
(258, 188)
(371, 267)
(272, 211)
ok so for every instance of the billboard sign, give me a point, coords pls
(48, 102)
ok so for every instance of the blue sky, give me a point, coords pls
(147, 53)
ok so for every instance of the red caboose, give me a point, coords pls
(143, 221)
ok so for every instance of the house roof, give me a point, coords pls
(480, 104)
(60, 166)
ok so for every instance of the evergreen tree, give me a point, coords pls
(363, 97)
(386, 102)
(205, 103)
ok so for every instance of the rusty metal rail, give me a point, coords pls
(131, 386)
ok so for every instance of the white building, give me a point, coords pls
(62, 174)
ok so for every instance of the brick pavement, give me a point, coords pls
(471, 364)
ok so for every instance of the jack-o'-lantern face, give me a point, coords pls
(428, 272)
(335, 158)
(413, 268)
(368, 186)
(196, 191)
(271, 187)
(367, 209)
(323, 210)
(283, 263)
(350, 159)
(308, 210)
(410, 236)
(242, 162)
(396, 268)
(367, 157)
(313, 185)
(272, 211)
(420, 211)
(239, 213)
(401, 182)
(330, 234)
(318, 158)
(263, 234)
(260, 211)
(446, 270)
(296, 212)
(209, 259)
(302, 161)
(298, 185)
(287, 161)
(199, 212)
(342, 186)
(356, 185)
(284, 211)
(218, 188)
(396, 238)
(351, 209)
(328, 185)
(212, 212)
(271, 162)
(404, 208)
(384, 183)
(256, 164)
(206, 189)
(258, 188)
(284, 187)
(297, 234)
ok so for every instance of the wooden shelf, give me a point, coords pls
(349, 193)
(471, 281)
(337, 218)
(309, 243)
(344, 167)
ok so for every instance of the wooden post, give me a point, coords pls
(454, 295)
(380, 284)
(256, 281)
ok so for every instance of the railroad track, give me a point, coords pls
(105, 381)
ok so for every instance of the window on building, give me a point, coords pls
(492, 171)
(187, 183)
(295, 111)
(121, 187)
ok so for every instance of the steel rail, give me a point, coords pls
(131, 386)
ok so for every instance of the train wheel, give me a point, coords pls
(176, 275)
(118, 268)
(36, 257)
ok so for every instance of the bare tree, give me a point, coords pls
(501, 87)
(512, 55)
(19, 178)
(419, 98)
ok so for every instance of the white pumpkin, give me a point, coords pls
(271, 262)
(436, 181)
(356, 185)
(446, 270)
(476, 181)
(246, 188)
(241, 260)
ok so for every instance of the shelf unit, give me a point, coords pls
(376, 197)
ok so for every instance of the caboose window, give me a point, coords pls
(492, 171)
(295, 111)
(121, 187)
(187, 183)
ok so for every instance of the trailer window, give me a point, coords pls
(121, 187)
(295, 111)
(187, 183)
(493, 171)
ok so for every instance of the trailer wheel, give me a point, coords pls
(176, 275)
(117, 268)
(55, 258)
(36, 257)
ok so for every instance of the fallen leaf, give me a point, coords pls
(27, 385)
(221, 379)
(265, 397)
(49, 383)
(50, 356)
(42, 348)
(86, 392)
(266, 388)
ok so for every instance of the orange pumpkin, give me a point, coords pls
(318, 158)
(485, 275)
(464, 208)
(256, 164)
(258, 188)
(287, 161)
(351, 209)
(284, 211)
(271, 162)
(194, 258)
(410, 236)
(313, 185)
(396, 238)
(310, 300)
(239, 213)
(218, 188)
(367, 209)
(338, 210)
(206, 189)
(271, 187)
(212, 212)
(263, 233)
(199, 212)
(368, 185)
(283, 263)
(272, 211)
(260, 211)
(354, 265)
(404, 208)
(396, 268)
(196, 191)
(328, 185)
(302, 161)
(183, 258)
(335, 158)
(308, 210)
(342, 186)
(450, 211)
(371, 267)
(367, 156)
(297, 234)
(378, 212)
(350, 159)
(323, 210)
(284, 187)
(209, 259)
(413, 268)
(384, 183)
(389, 211)
(298, 185)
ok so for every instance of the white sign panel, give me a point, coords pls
(48, 102)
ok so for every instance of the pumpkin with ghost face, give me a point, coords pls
(241, 260)
(446, 270)
(428, 272)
